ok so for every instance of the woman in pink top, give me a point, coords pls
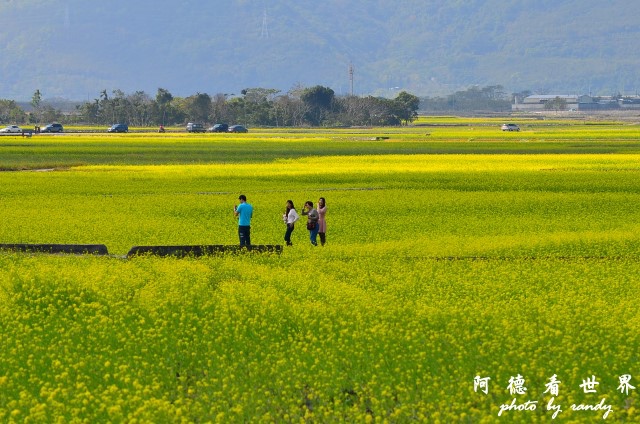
(322, 210)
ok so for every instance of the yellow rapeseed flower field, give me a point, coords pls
(452, 288)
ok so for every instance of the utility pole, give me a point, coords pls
(351, 77)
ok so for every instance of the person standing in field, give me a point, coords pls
(322, 223)
(290, 217)
(243, 212)
(312, 221)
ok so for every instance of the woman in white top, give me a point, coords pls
(290, 217)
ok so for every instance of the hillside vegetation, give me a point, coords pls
(75, 49)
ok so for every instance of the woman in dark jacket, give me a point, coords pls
(312, 221)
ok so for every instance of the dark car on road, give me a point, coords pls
(238, 129)
(119, 128)
(195, 128)
(52, 128)
(219, 128)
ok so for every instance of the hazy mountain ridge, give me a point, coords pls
(75, 49)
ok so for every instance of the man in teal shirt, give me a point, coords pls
(244, 211)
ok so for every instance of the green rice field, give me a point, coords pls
(469, 276)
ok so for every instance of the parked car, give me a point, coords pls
(510, 127)
(52, 128)
(11, 129)
(219, 128)
(119, 128)
(195, 127)
(238, 129)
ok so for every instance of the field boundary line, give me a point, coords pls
(520, 258)
(209, 193)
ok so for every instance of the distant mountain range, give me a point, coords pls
(74, 49)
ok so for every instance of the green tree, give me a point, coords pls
(11, 112)
(139, 109)
(374, 111)
(36, 101)
(258, 104)
(407, 106)
(288, 110)
(163, 102)
(89, 112)
(319, 101)
(106, 109)
(220, 109)
(198, 107)
(119, 106)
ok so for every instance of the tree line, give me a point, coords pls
(313, 106)
(491, 98)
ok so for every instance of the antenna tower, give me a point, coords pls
(351, 77)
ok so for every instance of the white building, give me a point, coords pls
(539, 101)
